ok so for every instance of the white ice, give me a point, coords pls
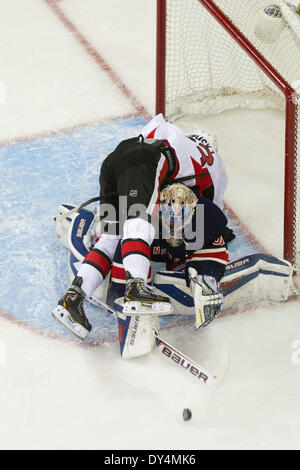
(55, 394)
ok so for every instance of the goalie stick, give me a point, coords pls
(214, 379)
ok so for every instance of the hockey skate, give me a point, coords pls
(70, 312)
(140, 299)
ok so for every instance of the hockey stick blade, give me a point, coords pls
(176, 356)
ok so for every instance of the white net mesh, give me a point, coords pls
(208, 72)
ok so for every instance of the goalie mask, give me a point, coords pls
(177, 207)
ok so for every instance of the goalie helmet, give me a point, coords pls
(177, 207)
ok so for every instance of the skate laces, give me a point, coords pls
(147, 288)
(142, 283)
(81, 308)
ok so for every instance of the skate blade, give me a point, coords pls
(62, 316)
(156, 308)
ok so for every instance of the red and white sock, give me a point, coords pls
(97, 263)
(137, 238)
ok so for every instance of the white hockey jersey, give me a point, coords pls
(195, 155)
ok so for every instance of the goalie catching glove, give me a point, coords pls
(207, 297)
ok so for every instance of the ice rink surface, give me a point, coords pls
(79, 77)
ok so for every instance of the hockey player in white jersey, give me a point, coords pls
(136, 171)
(195, 155)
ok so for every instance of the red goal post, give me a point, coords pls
(237, 28)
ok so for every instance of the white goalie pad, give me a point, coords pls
(73, 231)
(63, 224)
(247, 280)
(137, 334)
(255, 278)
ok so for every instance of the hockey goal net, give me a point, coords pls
(214, 56)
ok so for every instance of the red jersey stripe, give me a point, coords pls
(221, 255)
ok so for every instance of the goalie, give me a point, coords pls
(136, 171)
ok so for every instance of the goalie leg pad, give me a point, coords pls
(137, 334)
(63, 224)
(246, 280)
(257, 277)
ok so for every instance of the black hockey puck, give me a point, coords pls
(186, 414)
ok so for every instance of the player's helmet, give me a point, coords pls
(177, 206)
